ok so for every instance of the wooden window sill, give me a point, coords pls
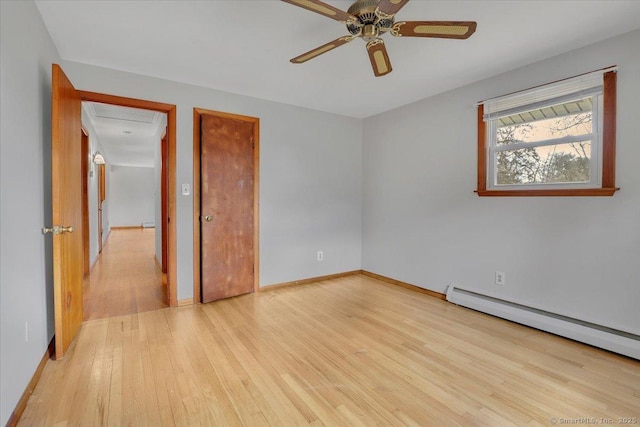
(569, 192)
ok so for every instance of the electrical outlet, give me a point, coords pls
(320, 255)
(26, 331)
(500, 278)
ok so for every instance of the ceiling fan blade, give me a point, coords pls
(379, 57)
(391, 7)
(323, 9)
(438, 29)
(322, 49)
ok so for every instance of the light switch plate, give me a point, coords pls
(186, 189)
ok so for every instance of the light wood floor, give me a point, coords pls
(350, 351)
(125, 278)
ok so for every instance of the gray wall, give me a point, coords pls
(422, 223)
(26, 296)
(310, 175)
(131, 194)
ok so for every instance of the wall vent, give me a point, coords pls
(604, 337)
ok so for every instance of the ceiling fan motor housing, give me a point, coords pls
(369, 25)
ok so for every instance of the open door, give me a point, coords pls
(66, 181)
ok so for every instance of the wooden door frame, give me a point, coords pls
(197, 113)
(84, 138)
(101, 192)
(170, 111)
(164, 225)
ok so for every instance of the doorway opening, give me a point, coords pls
(130, 270)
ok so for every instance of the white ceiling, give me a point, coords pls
(129, 136)
(244, 46)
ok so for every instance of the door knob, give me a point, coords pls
(57, 229)
(53, 230)
(207, 218)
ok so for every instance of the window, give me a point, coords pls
(552, 140)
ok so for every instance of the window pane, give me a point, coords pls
(562, 163)
(556, 121)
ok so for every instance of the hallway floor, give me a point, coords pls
(126, 278)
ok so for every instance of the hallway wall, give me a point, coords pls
(131, 194)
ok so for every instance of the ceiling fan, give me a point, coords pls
(370, 19)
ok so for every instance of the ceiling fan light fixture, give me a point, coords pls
(370, 32)
(370, 20)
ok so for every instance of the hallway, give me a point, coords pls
(125, 279)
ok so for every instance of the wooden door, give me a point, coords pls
(66, 181)
(101, 198)
(227, 221)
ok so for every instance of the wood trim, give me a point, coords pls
(307, 281)
(24, 399)
(256, 200)
(482, 150)
(125, 227)
(569, 192)
(197, 274)
(85, 166)
(102, 183)
(185, 302)
(172, 248)
(608, 154)
(170, 111)
(405, 285)
(125, 102)
(99, 219)
(197, 112)
(164, 224)
(609, 130)
(351, 273)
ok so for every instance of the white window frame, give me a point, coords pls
(595, 138)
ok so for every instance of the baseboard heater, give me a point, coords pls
(148, 224)
(604, 337)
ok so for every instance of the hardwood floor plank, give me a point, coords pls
(125, 278)
(347, 351)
